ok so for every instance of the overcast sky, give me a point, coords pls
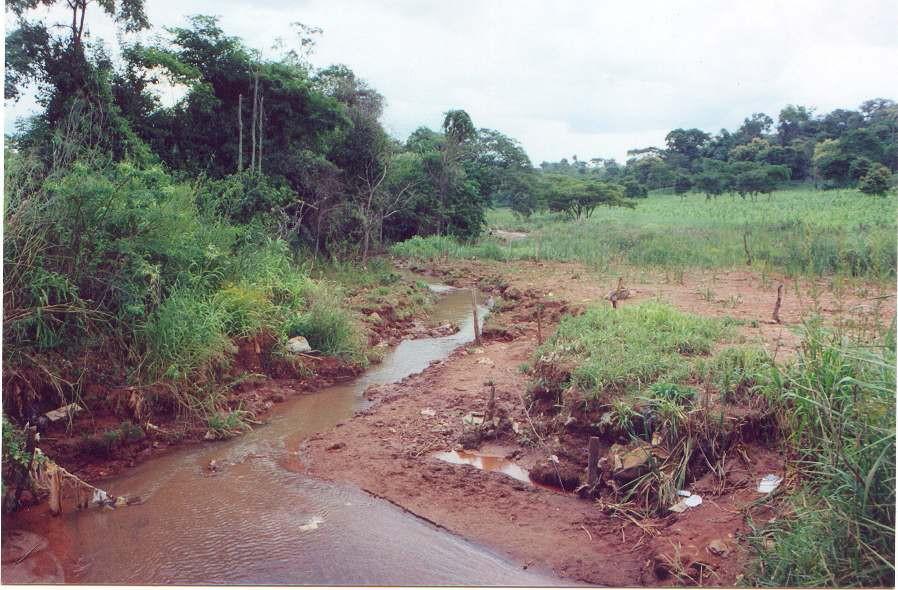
(591, 78)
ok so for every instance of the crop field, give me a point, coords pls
(796, 231)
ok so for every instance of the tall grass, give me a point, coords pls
(796, 231)
(838, 406)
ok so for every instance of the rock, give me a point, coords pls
(213, 465)
(336, 446)
(298, 344)
(486, 361)
(428, 412)
(719, 547)
(629, 462)
(63, 412)
(375, 317)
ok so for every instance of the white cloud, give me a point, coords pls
(586, 78)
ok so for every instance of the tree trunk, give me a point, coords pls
(261, 115)
(252, 159)
(240, 133)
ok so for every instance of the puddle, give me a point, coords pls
(486, 463)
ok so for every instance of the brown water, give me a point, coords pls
(255, 522)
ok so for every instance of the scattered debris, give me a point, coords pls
(769, 483)
(428, 412)
(684, 493)
(63, 412)
(213, 465)
(486, 361)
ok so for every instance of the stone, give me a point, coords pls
(375, 317)
(719, 547)
(629, 462)
(298, 344)
(63, 412)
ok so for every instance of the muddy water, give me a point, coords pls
(254, 521)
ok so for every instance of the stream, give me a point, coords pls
(254, 521)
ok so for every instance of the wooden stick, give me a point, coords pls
(55, 500)
(476, 320)
(779, 301)
(593, 466)
(539, 324)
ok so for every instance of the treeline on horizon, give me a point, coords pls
(840, 149)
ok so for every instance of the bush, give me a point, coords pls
(329, 328)
(875, 181)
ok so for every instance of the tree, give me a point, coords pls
(494, 157)
(755, 126)
(710, 183)
(759, 178)
(682, 184)
(685, 146)
(72, 79)
(520, 191)
(831, 163)
(876, 181)
(634, 190)
(794, 123)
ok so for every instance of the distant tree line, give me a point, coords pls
(843, 148)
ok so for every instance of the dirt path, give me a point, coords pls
(388, 449)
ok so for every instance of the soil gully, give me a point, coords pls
(256, 521)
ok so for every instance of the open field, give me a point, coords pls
(798, 232)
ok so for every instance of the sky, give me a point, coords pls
(589, 78)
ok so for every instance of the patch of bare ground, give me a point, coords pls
(860, 307)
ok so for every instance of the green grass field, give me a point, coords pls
(796, 231)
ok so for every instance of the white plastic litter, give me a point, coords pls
(312, 524)
(769, 483)
(684, 493)
(691, 501)
(100, 497)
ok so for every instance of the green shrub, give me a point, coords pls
(329, 328)
(187, 333)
